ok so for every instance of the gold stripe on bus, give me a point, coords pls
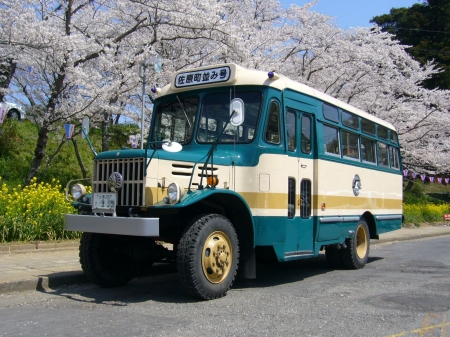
(339, 202)
(278, 201)
(262, 200)
(265, 200)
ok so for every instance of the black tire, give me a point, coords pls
(105, 259)
(333, 256)
(356, 254)
(14, 114)
(208, 257)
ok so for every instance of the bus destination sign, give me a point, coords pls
(200, 77)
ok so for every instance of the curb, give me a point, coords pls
(410, 237)
(37, 247)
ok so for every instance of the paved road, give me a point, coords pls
(404, 290)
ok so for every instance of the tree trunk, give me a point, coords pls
(105, 135)
(410, 185)
(39, 154)
(80, 161)
(7, 69)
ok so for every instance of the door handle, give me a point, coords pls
(304, 165)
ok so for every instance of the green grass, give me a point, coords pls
(18, 142)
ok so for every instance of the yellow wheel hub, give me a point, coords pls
(217, 257)
(361, 242)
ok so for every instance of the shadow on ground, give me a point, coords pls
(162, 284)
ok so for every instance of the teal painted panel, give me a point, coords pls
(328, 231)
(269, 230)
(384, 226)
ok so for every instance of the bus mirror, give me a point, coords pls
(237, 112)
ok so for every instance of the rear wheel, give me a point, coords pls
(208, 256)
(333, 256)
(356, 254)
(105, 259)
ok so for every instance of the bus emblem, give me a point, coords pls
(356, 185)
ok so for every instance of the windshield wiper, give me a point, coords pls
(182, 107)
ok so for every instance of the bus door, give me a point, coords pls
(299, 239)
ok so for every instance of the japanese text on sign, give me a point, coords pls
(200, 77)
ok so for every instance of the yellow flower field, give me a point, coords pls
(425, 212)
(35, 212)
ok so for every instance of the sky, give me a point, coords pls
(353, 13)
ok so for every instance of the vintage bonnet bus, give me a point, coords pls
(239, 163)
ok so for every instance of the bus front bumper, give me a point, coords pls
(112, 225)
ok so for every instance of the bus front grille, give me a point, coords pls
(132, 171)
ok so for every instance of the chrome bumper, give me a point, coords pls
(112, 225)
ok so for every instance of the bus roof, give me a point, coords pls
(232, 74)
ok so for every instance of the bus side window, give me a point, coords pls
(395, 162)
(368, 150)
(291, 197)
(350, 145)
(291, 121)
(331, 139)
(273, 124)
(383, 158)
(306, 134)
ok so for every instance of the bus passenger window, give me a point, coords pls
(368, 150)
(331, 139)
(290, 125)
(291, 197)
(306, 134)
(395, 162)
(273, 124)
(383, 158)
(350, 145)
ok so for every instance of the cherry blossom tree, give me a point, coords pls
(80, 58)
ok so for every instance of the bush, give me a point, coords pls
(424, 212)
(9, 137)
(35, 212)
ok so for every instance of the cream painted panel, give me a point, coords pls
(380, 191)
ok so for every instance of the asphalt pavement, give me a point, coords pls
(44, 266)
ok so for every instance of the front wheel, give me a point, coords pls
(356, 254)
(105, 259)
(208, 256)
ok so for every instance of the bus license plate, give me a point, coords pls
(103, 202)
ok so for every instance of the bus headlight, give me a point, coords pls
(78, 191)
(175, 193)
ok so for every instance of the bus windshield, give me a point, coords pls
(175, 120)
(215, 114)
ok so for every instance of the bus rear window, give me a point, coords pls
(394, 137)
(382, 132)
